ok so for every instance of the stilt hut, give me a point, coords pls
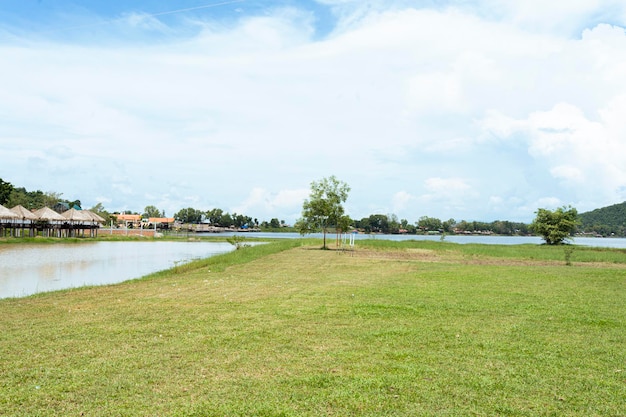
(77, 222)
(26, 220)
(96, 220)
(7, 220)
(48, 221)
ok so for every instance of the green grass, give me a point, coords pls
(523, 252)
(284, 329)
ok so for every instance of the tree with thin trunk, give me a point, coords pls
(324, 207)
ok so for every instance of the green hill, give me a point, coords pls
(610, 220)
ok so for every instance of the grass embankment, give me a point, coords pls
(424, 329)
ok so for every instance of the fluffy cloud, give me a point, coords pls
(561, 16)
(267, 204)
(400, 201)
(449, 111)
(587, 156)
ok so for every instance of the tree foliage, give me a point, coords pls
(189, 215)
(36, 199)
(430, 224)
(102, 212)
(274, 223)
(5, 191)
(555, 226)
(324, 207)
(214, 216)
(152, 211)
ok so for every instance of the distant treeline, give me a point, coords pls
(221, 218)
(11, 196)
(607, 221)
(380, 223)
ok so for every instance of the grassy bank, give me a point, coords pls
(285, 329)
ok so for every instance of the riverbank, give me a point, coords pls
(391, 328)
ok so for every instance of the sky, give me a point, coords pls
(471, 109)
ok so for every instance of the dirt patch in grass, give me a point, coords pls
(493, 261)
(443, 256)
(422, 255)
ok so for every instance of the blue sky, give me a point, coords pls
(475, 110)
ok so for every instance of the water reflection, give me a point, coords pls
(29, 269)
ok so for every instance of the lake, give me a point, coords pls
(30, 269)
(461, 239)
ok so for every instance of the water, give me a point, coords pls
(30, 269)
(462, 239)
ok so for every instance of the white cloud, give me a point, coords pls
(548, 202)
(561, 131)
(449, 195)
(103, 200)
(557, 15)
(266, 204)
(144, 21)
(568, 173)
(448, 189)
(465, 112)
(446, 186)
(589, 156)
(400, 201)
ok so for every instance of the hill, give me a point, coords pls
(607, 221)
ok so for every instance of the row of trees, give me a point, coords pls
(323, 210)
(216, 217)
(380, 223)
(11, 196)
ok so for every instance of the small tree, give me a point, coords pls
(323, 209)
(274, 223)
(189, 215)
(555, 226)
(101, 211)
(429, 224)
(152, 211)
(215, 216)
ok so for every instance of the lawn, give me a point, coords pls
(286, 329)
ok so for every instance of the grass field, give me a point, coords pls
(286, 329)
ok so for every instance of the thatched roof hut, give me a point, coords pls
(76, 216)
(5, 213)
(46, 213)
(94, 216)
(24, 213)
(81, 220)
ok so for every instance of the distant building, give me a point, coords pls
(61, 207)
(128, 220)
(159, 222)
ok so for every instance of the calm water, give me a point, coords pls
(30, 269)
(487, 240)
